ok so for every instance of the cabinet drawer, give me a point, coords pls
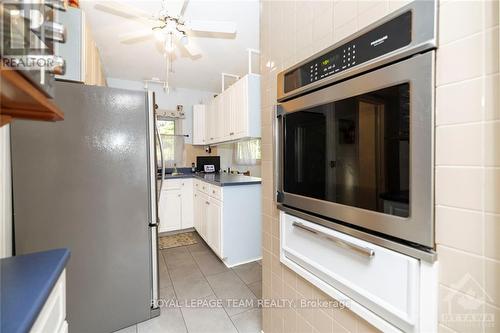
(215, 192)
(197, 184)
(53, 313)
(171, 184)
(205, 187)
(384, 281)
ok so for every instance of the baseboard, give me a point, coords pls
(243, 262)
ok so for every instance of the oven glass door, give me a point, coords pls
(361, 151)
(353, 151)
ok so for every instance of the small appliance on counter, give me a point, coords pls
(208, 164)
(209, 168)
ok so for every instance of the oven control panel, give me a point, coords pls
(381, 40)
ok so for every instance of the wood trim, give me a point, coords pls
(19, 98)
(4, 120)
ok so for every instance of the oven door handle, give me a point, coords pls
(364, 251)
(278, 152)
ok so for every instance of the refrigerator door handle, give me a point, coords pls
(153, 223)
(160, 141)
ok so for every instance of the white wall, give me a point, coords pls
(183, 96)
(5, 194)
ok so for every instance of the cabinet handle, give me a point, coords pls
(232, 133)
(213, 191)
(208, 203)
(365, 251)
(179, 195)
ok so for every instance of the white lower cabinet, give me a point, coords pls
(187, 218)
(176, 205)
(200, 213)
(214, 220)
(52, 317)
(228, 219)
(170, 210)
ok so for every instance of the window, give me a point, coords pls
(247, 152)
(173, 145)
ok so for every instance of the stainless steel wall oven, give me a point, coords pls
(355, 129)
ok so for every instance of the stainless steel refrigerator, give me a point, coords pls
(88, 184)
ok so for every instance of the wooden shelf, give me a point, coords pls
(20, 99)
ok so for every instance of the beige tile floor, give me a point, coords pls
(195, 272)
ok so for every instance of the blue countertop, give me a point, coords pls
(26, 282)
(219, 179)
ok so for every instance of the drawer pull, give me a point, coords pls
(365, 251)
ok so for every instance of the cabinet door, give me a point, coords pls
(241, 108)
(209, 116)
(72, 51)
(218, 118)
(233, 110)
(170, 210)
(204, 216)
(198, 124)
(197, 204)
(214, 225)
(225, 115)
(187, 204)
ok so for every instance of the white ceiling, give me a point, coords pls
(144, 60)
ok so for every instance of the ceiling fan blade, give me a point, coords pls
(134, 36)
(116, 8)
(226, 27)
(191, 49)
(183, 9)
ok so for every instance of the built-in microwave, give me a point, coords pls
(354, 130)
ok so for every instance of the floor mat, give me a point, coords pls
(167, 242)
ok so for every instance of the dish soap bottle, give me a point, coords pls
(175, 172)
(193, 168)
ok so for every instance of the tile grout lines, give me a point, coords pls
(210, 286)
(173, 289)
(213, 291)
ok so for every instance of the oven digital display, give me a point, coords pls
(385, 38)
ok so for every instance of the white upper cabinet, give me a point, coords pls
(83, 62)
(219, 118)
(232, 115)
(199, 124)
(209, 117)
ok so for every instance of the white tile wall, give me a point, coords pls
(467, 153)
(467, 158)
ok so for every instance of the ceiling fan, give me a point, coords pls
(166, 25)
